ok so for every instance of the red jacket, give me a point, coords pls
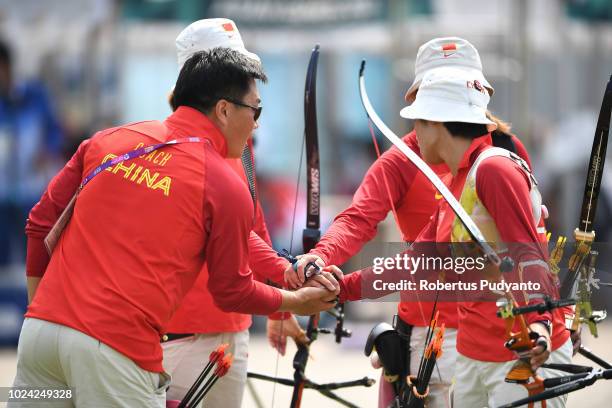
(392, 182)
(504, 190)
(265, 265)
(138, 238)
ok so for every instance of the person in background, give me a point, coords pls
(191, 334)
(30, 152)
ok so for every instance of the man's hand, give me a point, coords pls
(576, 336)
(295, 278)
(308, 301)
(540, 353)
(278, 330)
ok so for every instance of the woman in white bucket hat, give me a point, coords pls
(394, 184)
(461, 54)
(452, 127)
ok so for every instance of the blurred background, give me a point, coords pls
(71, 67)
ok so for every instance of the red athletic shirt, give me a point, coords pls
(392, 182)
(138, 238)
(411, 194)
(265, 265)
(504, 190)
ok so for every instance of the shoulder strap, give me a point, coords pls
(536, 198)
(135, 153)
(56, 231)
(498, 151)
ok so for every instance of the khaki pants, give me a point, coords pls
(50, 355)
(184, 360)
(481, 384)
(441, 379)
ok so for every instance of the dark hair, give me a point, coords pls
(466, 130)
(208, 76)
(5, 53)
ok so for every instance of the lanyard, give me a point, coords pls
(54, 234)
(134, 153)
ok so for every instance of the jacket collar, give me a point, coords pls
(478, 145)
(186, 122)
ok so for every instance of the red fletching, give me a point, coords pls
(439, 341)
(435, 345)
(218, 353)
(224, 365)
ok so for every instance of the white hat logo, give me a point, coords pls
(449, 49)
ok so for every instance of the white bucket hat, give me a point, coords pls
(207, 34)
(450, 95)
(447, 52)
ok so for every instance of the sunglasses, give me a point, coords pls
(256, 109)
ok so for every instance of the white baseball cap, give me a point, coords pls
(449, 94)
(207, 34)
(447, 52)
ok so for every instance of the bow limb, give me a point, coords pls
(397, 223)
(376, 121)
(312, 232)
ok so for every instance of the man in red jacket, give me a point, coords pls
(192, 335)
(140, 232)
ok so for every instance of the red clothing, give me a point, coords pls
(264, 263)
(392, 177)
(504, 190)
(132, 250)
